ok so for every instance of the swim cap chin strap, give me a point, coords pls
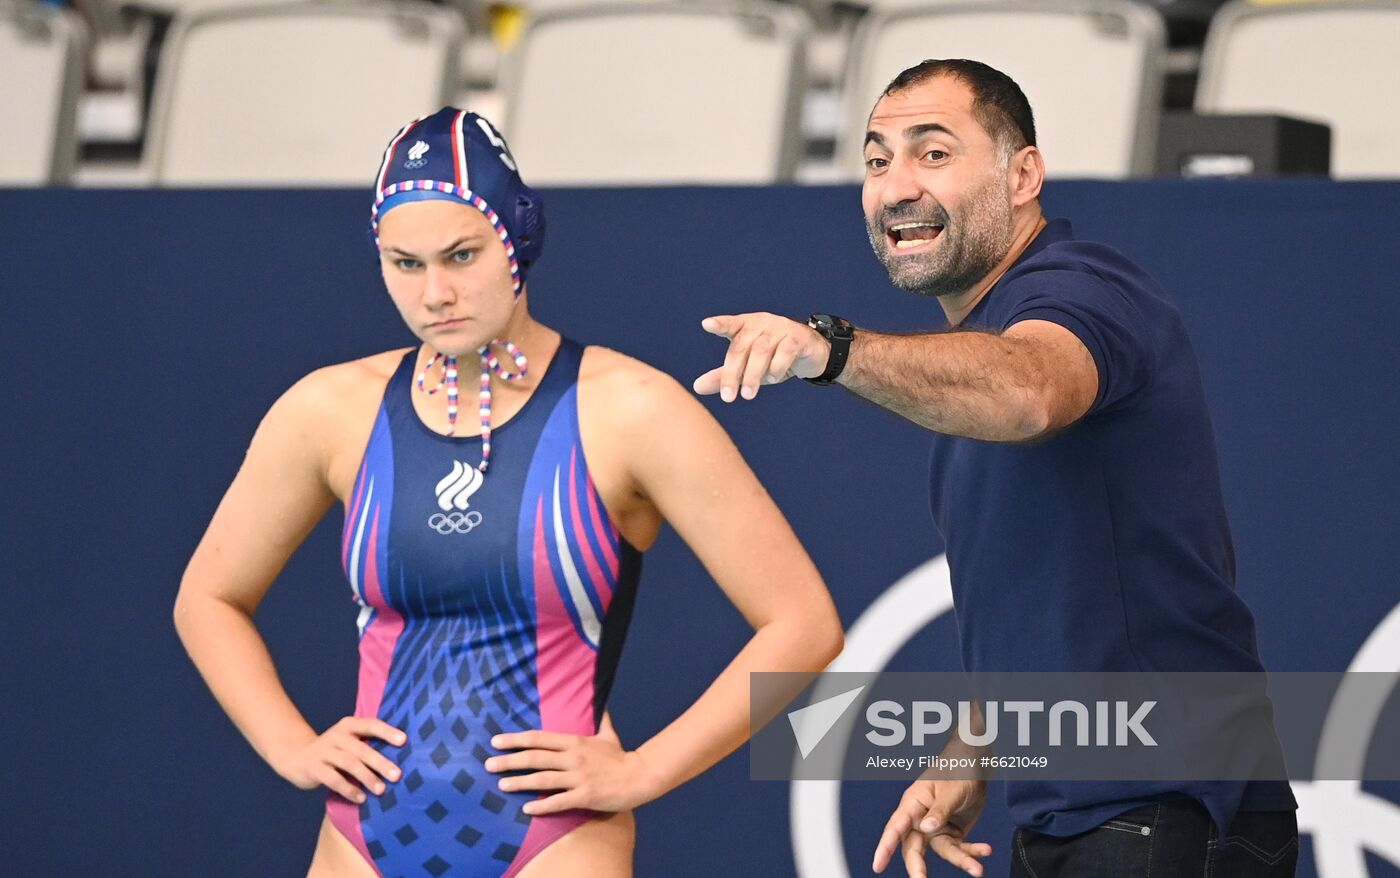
(489, 364)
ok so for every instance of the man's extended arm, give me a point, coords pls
(1034, 378)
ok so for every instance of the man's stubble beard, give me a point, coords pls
(968, 251)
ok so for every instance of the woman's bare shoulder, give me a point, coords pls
(617, 370)
(336, 380)
(630, 389)
(338, 389)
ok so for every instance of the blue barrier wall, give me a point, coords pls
(145, 333)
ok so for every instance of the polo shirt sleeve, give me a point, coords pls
(1100, 316)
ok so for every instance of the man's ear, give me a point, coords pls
(1027, 175)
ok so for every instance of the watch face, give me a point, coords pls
(831, 326)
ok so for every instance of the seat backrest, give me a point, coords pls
(657, 93)
(297, 94)
(42, 51)
(1336, 62)
(191, 7)
(1092, 71)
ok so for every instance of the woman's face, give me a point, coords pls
(447, 272)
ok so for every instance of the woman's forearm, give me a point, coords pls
(718, 722)
(230, 654)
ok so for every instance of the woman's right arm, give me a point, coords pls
(279, 494)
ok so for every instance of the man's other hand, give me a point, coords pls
(935, 814)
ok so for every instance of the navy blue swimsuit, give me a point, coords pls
(489, 603)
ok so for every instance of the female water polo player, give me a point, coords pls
(494, 559)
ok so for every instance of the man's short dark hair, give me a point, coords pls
(998, 104)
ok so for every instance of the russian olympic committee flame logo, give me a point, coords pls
(1343, 819)
(416, 154)
(454, 493)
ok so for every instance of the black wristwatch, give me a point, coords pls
(840, 333)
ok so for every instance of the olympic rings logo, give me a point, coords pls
(454, 522)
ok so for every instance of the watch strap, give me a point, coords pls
(839, 333)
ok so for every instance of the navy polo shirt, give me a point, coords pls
(1104, 547)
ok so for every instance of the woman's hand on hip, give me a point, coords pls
(582, 771)
(340, 759)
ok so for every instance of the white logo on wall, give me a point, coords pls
(1344, 820)
(811, 724)
(416, 154)
(454, 493)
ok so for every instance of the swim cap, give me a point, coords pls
(459, 156)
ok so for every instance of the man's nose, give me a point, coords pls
(902, 184)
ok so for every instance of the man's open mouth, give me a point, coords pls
(912, 235)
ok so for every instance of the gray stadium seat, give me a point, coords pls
(657, 93)
(1336, 62)
(1093, 72)
(41, 72)
(296, 94)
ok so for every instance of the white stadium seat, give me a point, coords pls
(657, 94)
(41, 72)
(296, 95)
(190, 7)
(1334, 62)
(1092, 70)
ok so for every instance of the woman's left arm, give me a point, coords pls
(683, 462)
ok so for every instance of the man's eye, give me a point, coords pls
(405, 264)
(462, 256)
(937, 155)
(875, 163)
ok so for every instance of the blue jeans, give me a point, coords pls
(1168, 839)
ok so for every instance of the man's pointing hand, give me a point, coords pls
(763, 349)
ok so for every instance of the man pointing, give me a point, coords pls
(1074, 476)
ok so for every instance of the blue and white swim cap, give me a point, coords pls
(459, 156)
